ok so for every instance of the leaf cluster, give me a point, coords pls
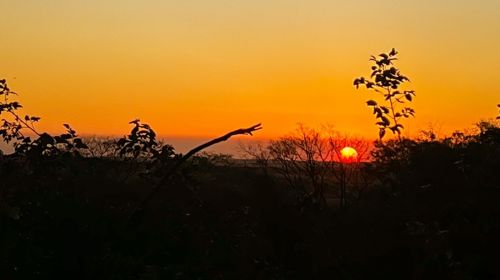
(48, 145)
(142, 142)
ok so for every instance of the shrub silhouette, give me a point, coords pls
(142, 142)
(460, 159)
(386, 80)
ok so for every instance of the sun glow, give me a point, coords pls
(348, 154)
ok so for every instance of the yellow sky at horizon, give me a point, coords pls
(190, 68)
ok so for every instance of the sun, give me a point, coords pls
(348, 154)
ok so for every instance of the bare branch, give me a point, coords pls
(241, 131)
(171, 171)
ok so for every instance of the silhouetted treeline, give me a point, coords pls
(430, 211)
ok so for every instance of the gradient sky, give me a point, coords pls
(198, 67)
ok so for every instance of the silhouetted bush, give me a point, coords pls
(459, 160)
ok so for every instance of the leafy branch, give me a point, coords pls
(13, 127)
(386, 80)
(141, 140)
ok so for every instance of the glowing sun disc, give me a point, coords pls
(348, 154)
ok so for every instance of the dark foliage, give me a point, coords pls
(14, 126)
(142, 142)
(461, 160)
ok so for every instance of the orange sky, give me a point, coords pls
(199, 68)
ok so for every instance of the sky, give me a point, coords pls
(197, 68)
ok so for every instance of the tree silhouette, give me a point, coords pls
(304, 160)
(498, 118)
(386, 80)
